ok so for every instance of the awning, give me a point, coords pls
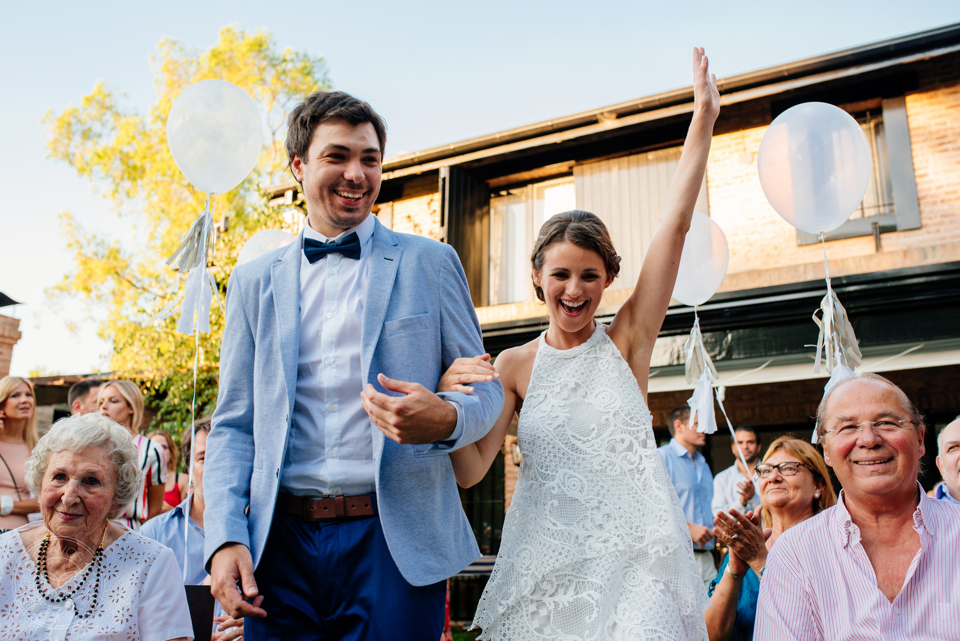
(783, 369)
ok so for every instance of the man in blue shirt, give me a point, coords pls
(948, 462)
(693, 481)
(167, 529)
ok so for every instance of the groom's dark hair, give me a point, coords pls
(320, 107)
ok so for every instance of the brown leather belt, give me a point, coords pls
(327, 508)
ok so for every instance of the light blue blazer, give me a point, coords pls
(417, 318)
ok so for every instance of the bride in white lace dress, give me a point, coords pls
(595, 545)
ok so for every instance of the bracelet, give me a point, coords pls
(736, 577)
(760, 576)
(6, 505)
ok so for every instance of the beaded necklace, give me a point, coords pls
(42, 568)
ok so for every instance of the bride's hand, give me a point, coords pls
(706, 97)
(465, 371)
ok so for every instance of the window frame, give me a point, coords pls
(902, 179)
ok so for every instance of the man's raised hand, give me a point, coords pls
(417, 417)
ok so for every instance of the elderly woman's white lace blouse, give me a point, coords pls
(595, 545)
(141, 596)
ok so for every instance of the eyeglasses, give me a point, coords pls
(787, 468)
(880, 428)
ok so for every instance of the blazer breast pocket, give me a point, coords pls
(408, 325)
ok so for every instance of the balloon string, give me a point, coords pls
(833, 339)
(716, 388)
(202, 264)
(733, 435)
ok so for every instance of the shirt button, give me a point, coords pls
(328, 361)
(329, 314)
(67, 604)
(331, 453)
(332, 272)
(331, 407)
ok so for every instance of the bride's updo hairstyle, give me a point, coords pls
(581, 228)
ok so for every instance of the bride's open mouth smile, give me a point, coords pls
(572, 308)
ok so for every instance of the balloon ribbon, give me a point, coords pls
(837, 344)
(698, 366)
(193, 301)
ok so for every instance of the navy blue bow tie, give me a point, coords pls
(348, 246)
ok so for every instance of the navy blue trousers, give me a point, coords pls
(325, 581)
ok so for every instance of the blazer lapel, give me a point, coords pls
(285, 277)
(384, 260)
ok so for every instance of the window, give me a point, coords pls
(890, 203)
(516, 217)
(629, 194)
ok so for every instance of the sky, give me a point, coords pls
(437, 72)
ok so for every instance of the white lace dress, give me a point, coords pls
(595, 545)
(141, 596)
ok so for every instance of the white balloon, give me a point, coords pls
(215, 135)
(814, 166)
(703, 263)
(263, 242)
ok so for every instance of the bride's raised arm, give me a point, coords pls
(638, 322)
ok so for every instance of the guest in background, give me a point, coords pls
(175, 491)
(168, 529)
(794, 485)
(122, 401)
(882, 563)
(693, 482)
(948, 462)
(18, 436)
(78, 575)
(82, 396)
(733, 488)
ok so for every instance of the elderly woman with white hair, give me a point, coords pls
(78, 575)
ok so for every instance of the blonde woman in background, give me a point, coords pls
(794, 485)
(122, 401)
(175, 491)
(18, 436)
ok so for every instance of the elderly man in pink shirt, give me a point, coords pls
(883, 563)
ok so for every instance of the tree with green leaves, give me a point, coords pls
(125, 155)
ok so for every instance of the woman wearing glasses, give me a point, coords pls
(794, 485)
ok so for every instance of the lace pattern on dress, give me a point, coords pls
(595, 545)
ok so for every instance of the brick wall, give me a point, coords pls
(9, 335)
(420, 216)
(763, 247)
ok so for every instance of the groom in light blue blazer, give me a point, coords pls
(332, 509)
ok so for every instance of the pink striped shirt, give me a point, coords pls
(819, 583)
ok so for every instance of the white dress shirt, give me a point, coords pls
(726, 494)
(330, 445)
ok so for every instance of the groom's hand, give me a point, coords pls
(417, 417)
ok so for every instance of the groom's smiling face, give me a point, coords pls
(340, 176)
